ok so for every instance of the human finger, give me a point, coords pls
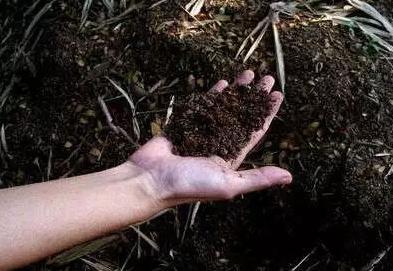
(219, 86)
(265, 84)
(276, 99)
(244, 78)
(259, 179)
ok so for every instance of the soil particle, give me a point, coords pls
(213, 123)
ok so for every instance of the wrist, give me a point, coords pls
(144, 198)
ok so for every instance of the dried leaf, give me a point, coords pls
(155, 127)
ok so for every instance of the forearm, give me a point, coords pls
(42, 219)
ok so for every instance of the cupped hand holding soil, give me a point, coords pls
(177, 179)
(227, 121)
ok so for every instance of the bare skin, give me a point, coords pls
(42, 219)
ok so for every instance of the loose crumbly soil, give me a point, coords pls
(333, 133)
(217, 123)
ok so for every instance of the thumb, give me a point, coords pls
(156, 147)
(259, 179)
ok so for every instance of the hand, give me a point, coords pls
(177, 179)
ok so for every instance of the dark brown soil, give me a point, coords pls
(212, 123)
(333, 132)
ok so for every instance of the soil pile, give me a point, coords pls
(213, 123)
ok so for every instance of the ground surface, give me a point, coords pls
(333, 132)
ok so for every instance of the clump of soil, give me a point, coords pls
(214, 123)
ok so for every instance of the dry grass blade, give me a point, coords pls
(49, 168)
(3, 140)
(192, 16)
(376, 31)
(390, 172)
(384, 44)
(6, 37)
(190, 4)
(122, 16)
(98, 265)
(132, 106)
(371, 11)
(3, 143)
(123, 3)
(109, 119)
(110, 5)
(157, 4)
(194, 213)
(254, 31)
(170, 110)
(147, 239)
(367, 20)
(36, 18)
(6, 92)
(31, 8)
(256, 43)
(128, 258)
(186, 225)
(279, 57)
(196, 8)
(371, 266)
(123, 92)
(85, 12)
(81, 250)
(303, 260)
